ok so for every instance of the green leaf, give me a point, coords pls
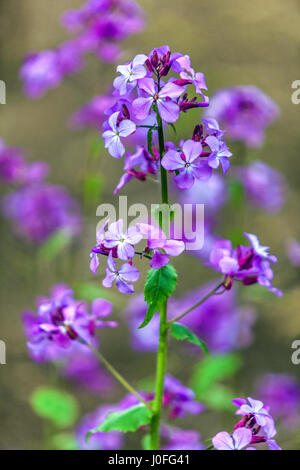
(54, 245)
(64, 441)
(125, 421)
(149, 142)
(220, 398)
(55, 405)
(213, 369)
(181, 332)
(92, 188)
(159, 286)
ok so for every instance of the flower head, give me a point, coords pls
(124, 276)
(117, 130)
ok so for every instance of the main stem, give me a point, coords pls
(163, 329)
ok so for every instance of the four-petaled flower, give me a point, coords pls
(124, 276)
(112, 136)
(240, 439)
(168, 109)
(123, 241)
(220, 153)
(130, 73)
(188, 163)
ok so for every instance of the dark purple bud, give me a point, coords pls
(258, 439)
(125, 111)
(198, 133)
(182, 82)
(154, 59)
(166, 69)
(148, 65)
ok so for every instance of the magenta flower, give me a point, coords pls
(180, 400)
(190, 76)
(168, 109)
(188, 163)
(240, 439)
(255, 408)
(123, 241)
(112, 136)
(40, 72)
(124, 276)
(130, 73)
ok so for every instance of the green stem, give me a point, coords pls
(207, 296)
(163, 329)
(116, 374)
(160, 378)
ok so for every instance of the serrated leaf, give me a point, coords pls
(57, 406)
(124, 421)
(159, 286)
(54, 245)
(181, 332)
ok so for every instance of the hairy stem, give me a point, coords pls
(115, 373)
(163, 329)
(207, 296)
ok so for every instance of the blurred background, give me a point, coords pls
(233, 43)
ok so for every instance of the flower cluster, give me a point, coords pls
(62, 322)
(220, 321)
(249, 265)
(37, 208)
(97, 27)
(256, 427)
(117, 243)
(146, 99)
(244, 112)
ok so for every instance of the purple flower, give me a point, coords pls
(219, 153)
(92, 114)
(181, 439)
(244, 112)
(40, 71)
(212, 193)
(168, 109)
(124, 242)
(188, 163)
(240, 439)
(180, 400)
(281, 392)
(293, 251)
(39, 210)
(264, 186)
(112, 136)
(190, 76)
(124, 276)
(247, 264)
(60, 321)
(130, 73)
(160, 247)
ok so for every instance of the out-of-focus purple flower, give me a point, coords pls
(124, 242)
(39, 210)
(14, 169)
(188, 164)
(168, 109)
(92, 114)
(130, 73)
(124, 276)
(264, 186)
(281, 393)
(244, 112)
(60, 321)
(212, 193)
(159, 246)
(250, 265)
(40, 71)
(181, 439)
(293, 251)
(112, 136)
(240, 439)
(180, 400)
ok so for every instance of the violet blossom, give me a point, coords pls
(123, 276)
(181, 439)
(112, 136)
(92, 114)
(130, 73)
(244, 112)
(180, 400)
(124, 242)
(250, 265)
(240, 439)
